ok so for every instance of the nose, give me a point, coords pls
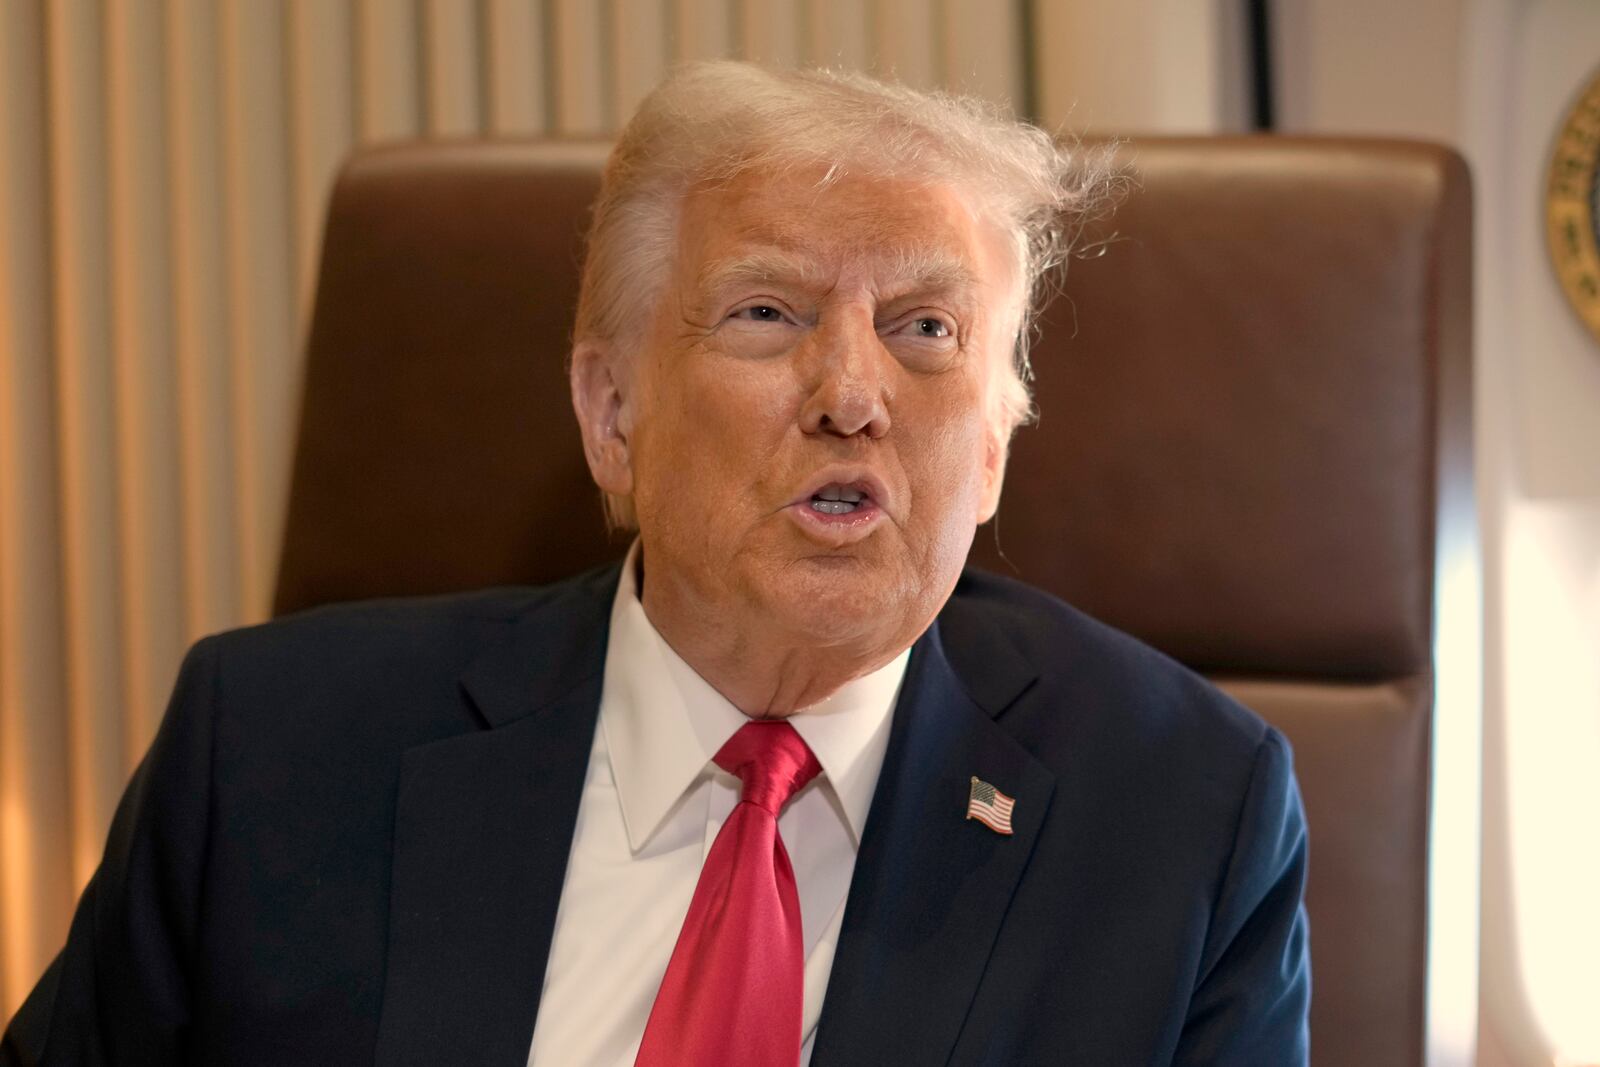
(849, 391)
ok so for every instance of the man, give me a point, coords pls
(786, 786)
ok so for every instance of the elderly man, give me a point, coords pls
(784, 787)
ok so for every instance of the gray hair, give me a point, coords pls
(711, 121)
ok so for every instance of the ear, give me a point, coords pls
(996, 447)
(599, 401)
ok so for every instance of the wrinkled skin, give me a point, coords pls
(847, 331)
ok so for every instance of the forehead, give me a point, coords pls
(796, 222)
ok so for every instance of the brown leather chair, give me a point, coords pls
(1253, 406)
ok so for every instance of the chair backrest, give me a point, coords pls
(1251, 405)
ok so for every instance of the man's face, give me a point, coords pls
(805, 418)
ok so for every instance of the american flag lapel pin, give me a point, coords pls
(990, 806)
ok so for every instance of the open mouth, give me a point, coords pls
(842, 511)
(835, 499)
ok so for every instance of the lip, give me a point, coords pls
(836, 531)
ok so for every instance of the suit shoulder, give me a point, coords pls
(387, 651)
(370, 631)
(411, 625)
(1091, 668)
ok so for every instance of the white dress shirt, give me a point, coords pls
(652, 805)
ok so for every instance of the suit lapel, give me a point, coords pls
(930, 887)
(483, 826)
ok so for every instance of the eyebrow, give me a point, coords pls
(922, 269)
(756, 267)
(910, 269)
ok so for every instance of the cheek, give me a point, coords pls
(711, 428)
(946, 464)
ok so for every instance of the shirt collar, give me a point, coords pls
(663, 722)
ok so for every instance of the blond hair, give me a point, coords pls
(712, 121)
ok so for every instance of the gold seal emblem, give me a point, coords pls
(1572, 206)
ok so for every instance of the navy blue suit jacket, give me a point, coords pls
(348, 840)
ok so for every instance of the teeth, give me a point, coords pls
(833, 507)
(839, 492)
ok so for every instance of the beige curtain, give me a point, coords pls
(163, 168)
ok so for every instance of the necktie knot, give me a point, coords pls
(772, 761)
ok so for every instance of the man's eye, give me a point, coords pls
(759, 313)
(929, 327)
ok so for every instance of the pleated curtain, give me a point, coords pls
(164, 167)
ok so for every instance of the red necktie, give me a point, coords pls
(733, 989)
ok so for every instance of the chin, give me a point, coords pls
(834, 600)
